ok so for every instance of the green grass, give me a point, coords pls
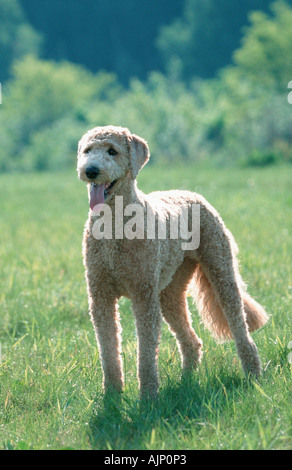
(50, 374)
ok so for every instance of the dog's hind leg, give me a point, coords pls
(220, 295)
(229, 300)
(175, 311)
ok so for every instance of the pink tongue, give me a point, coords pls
(96, 197)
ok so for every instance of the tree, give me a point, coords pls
(17, 37)
(206, 34)
(265, 56)
(117, 36)
(44, 110)
(251, 113)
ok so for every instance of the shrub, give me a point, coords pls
(44, 109)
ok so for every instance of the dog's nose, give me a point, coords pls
(92, 172)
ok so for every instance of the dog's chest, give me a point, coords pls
(132, 264)
(108, 259)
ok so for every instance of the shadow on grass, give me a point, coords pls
(120, 423)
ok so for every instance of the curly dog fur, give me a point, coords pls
(156, 273)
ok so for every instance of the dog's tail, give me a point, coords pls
(211, 311)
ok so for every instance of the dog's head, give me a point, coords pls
(106, 155)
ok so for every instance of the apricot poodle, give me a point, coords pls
(154, 271)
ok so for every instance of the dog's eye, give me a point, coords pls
(112, 151)
(87, 150)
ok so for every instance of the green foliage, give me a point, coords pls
(142, 36)
(240, 116)
(139, 37)
(246, 109)
(206, 34)
(161, 110)
(48, 106)
(17, 37)
(261, 158)
(266, 54)
(42, 112)
(103, 35)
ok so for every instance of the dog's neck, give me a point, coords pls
(129, 191)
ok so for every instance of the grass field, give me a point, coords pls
(50, 374)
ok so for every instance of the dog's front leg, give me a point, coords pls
(148, 318)
(105, 318)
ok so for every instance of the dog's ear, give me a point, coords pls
(139, 154)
